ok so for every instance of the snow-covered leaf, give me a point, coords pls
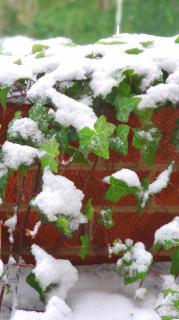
(97, 140)
(85, 245)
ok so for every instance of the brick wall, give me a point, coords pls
(128, 223)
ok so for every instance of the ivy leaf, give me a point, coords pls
(145, 115)
(33, 282)
(42, 116)
(106, 218)
(85, 244)
(147, 44)
(3, 182)
(3, 96)
(89, 210)
(177, 39)
(119, 142)
(175, 136)
(118, 189)
(49, 159)
(62, 223)
(175, 263)
(147, 142)
(134, 51)
(97, 141)
(138, 276)
(125, 106)
(39, 47)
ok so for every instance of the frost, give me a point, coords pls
(126, 175)
(59, 196)
(27, 129)
(56, 309)
(57, 272)
(15, 155)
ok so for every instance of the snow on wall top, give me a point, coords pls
(54, 64)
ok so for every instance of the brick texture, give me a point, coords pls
(128, 223)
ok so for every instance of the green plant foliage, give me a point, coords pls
(147, 142)
(119, 189)
(175, 135)
(134, 51)
(175, 263)
(62, 224)
(97, 140)
(42, 116)
(146, 44)
(119, 141)
(50, 158)
(34, 283)
(3, 96)
(39, 47)
(106, 218)
(85, 245)
(89, 210)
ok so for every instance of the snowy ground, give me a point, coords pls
(98, 294)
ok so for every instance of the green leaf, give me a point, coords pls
(147, 44)
(89, 210)
(118, 189)
(138, 276)
(145, 115)
(34, 283)
(3, 96)
(97, 141)
(175, 263)
(125, 106)
(85, 245)
(42, 116)
(62, 223)
(40, 55)
(177, 39)
(175, 136)
(3, 182)
(106, 218)
(119, 142)
(49, 159)
(134, 51)
(39, 47)
(112, 42)
(147, 142)
(18, 62)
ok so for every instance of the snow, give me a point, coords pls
(56, 310)
(50, 271)
(99, 293)
(57, 192)
(27, 129)
(161, 181)
(15, 155)
(1, 268)
(140, 259)
(11, 225)
(63, 63)
(126, 175)
(168, 232)
(140, 293)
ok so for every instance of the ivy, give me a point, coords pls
(38, 47)
(175, 135)
(147, 142)
(85, 245)
(50, 156)
(119, 189)
(97, 140)
(119, 141)
(175, 263)
(134, 51)
(3, 96)
(106, 218)
(42, 115)
(89, 210)
(34, 283)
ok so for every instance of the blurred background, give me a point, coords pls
(85, 21)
